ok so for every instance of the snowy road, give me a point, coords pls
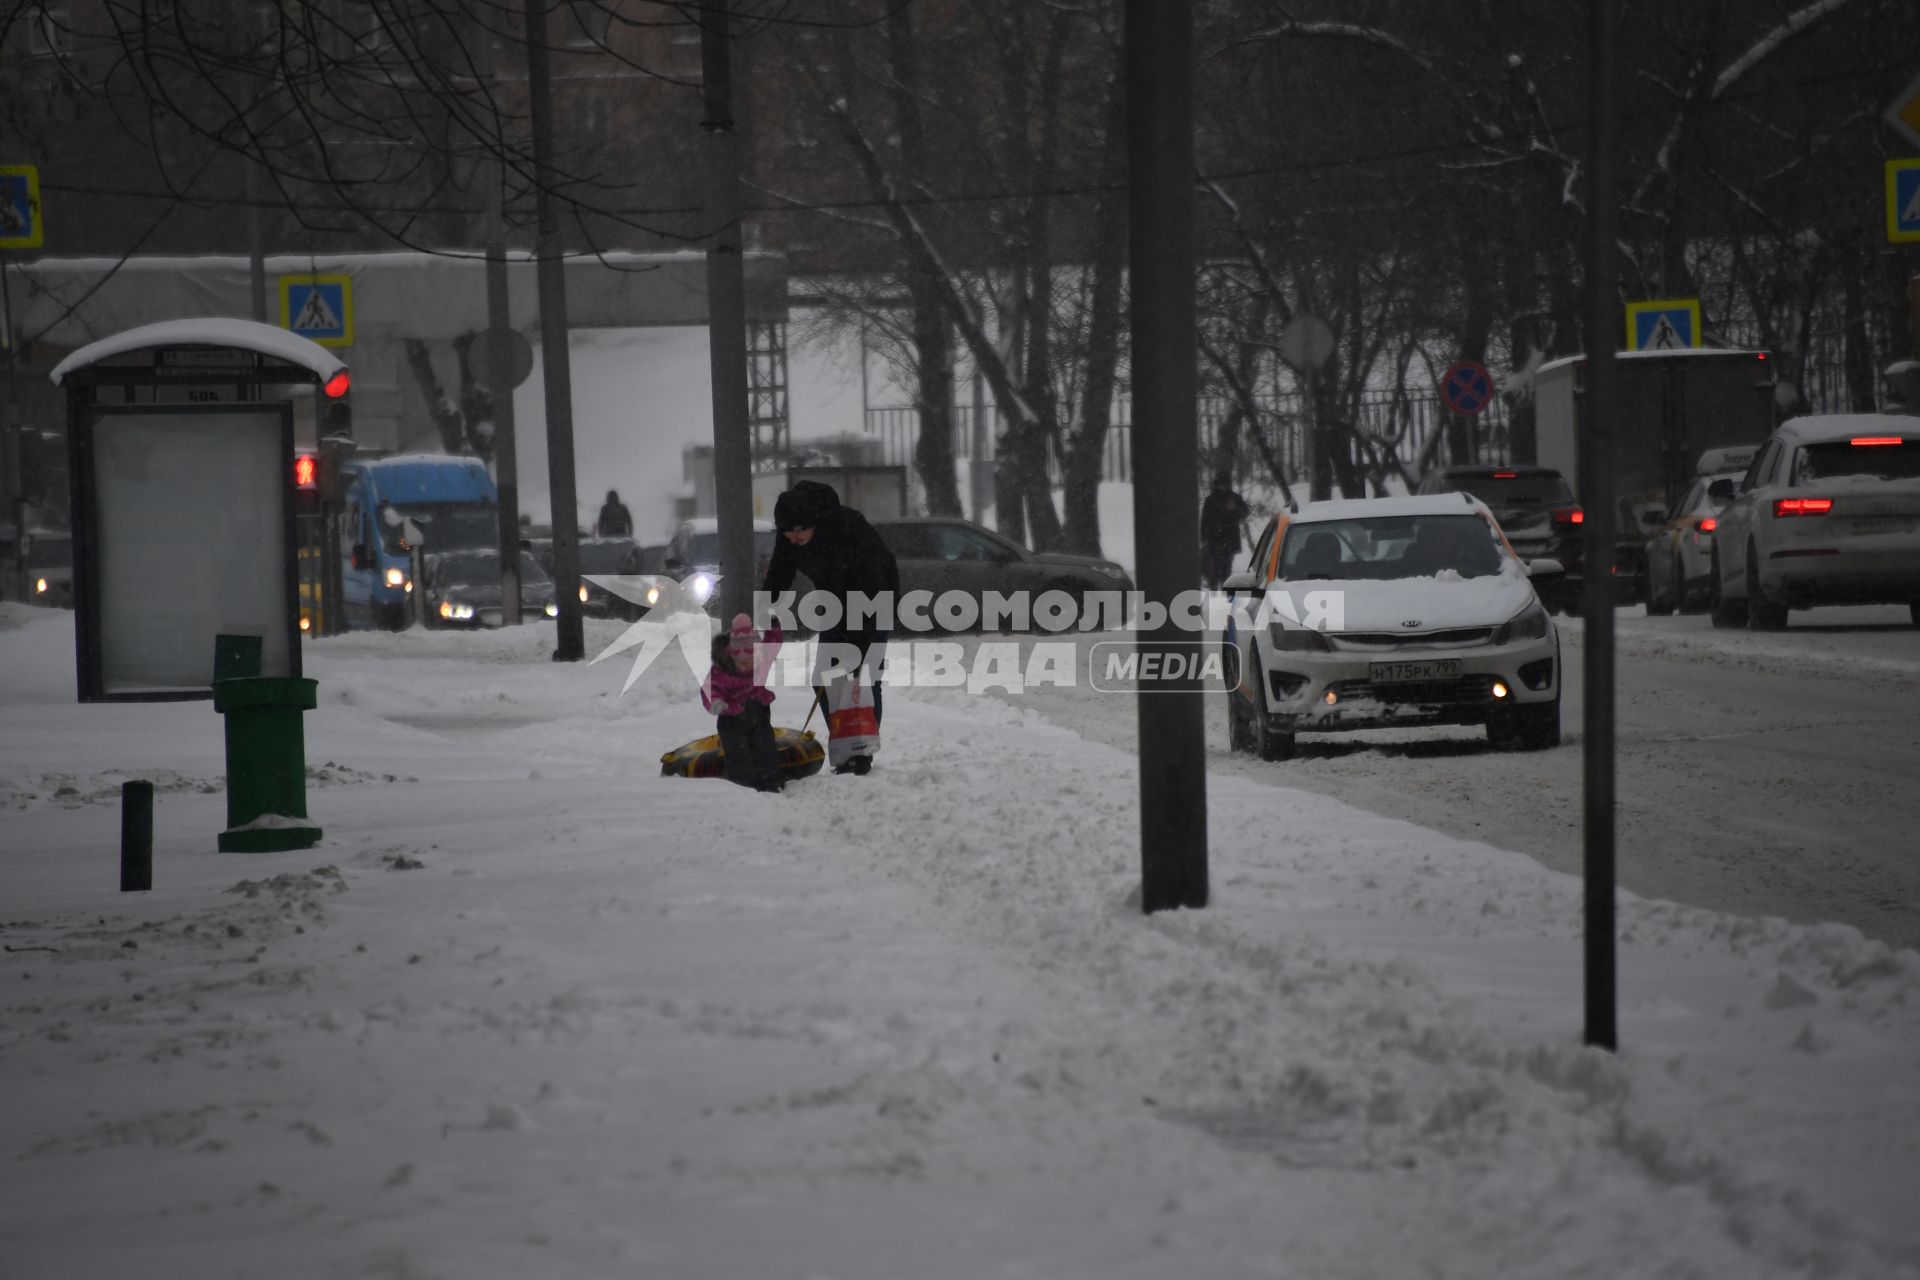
(532, 1010)
(1757, 774)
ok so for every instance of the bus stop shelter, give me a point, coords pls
(180, 439)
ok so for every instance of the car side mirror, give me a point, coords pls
(1236, 583)
(360, 557)
(1545, 567)
(1721, 489)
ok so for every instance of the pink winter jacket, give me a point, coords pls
(726, 693)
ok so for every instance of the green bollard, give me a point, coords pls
(266, 763)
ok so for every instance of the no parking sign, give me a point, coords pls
(1467, 387)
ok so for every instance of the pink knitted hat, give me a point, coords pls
(740, 638)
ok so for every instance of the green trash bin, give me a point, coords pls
(266, 763)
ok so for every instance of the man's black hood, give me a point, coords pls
(808, 505)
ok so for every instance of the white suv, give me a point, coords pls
(1829, 513)
(1390, 611)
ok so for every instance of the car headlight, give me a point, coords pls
(1297, 639)
(553, 611)
(1113, 571)
(41, 586)
(583, 593)
(1529, 624)
(456, 612)
(702, 587)
(396, 577)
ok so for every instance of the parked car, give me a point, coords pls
(694, 553)
(1535, 510)
(1829, 513)
(608, 557)
(1680, 552)
(50, 567)
(1438, 623)
(463, 589)
(938, 554)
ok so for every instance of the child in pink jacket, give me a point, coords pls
(741, 702)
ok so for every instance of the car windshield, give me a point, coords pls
(705, 548)
(50, 553)
(482, 568)
(1388, 547)
(1842, 458)
(442, 525)
(1513, 488)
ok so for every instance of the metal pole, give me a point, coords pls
(1596, 483)
(13, 574)
(570, 641)
(1166, 485)
(978, 468)
(256, 244)
(727, 319)
(506, 463)
(136, 836)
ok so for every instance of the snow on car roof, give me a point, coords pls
(711, 524)
(1664, 353)
(1817, 428)
(1433, 504)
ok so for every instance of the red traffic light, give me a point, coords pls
(306, 471)
(338, 384)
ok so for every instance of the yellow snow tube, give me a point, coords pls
(800, 756)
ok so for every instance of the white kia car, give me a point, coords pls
(1829, 513)
(1390, 611)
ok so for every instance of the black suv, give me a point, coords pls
(1537, 513)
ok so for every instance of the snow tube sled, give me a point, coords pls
(800, 756)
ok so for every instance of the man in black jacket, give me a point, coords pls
(615, 521)
(841, 554)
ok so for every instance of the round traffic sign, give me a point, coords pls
(1306, 342)
(1467, 387)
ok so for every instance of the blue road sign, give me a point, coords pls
(1903, 200)
(319, 308)
(1467, 387)
(20, 224)
(1669, 324)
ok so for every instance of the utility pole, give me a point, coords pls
(570, 643)
(727, 318)
(1596, 483)
(1166, 474)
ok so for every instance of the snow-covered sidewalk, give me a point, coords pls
(531, 1010)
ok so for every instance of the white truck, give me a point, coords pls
(1672, 406)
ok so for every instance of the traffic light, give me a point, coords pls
(306, 484)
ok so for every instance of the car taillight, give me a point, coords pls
(1569, 515)
(1506, 475)
(1802, 506)
(1706, 524)
(1863, 442)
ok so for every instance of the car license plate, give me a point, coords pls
(1402, 672)
(1883, 524)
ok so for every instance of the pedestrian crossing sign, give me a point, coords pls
(319, 308)
(1903, 201)
(1669, 324)
(20, 223)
